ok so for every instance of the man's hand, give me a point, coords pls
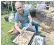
(29, 24)
(17, 27)
(20, 31)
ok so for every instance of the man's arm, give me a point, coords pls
(17, 27)
(30, 20)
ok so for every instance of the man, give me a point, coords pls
(24, 17)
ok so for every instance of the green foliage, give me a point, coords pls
(4, 12)
(5, 36)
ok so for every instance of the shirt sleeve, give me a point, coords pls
(16, 18)
(28, 13)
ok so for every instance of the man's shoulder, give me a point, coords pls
(16, 13)
(26, 10)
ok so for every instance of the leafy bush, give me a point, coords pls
(4, 12)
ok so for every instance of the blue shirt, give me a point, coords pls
(22, 18)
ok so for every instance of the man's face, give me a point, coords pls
(19, 7)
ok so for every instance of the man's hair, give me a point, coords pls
(18, 3)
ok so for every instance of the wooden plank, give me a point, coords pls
(23, 38)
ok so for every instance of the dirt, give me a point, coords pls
(49, 36)
(47, 31)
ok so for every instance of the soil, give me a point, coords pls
(47, 31)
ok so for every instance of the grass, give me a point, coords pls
(5, 36)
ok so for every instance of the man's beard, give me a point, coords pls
(20, 12)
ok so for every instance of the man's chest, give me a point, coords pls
(22, 17)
